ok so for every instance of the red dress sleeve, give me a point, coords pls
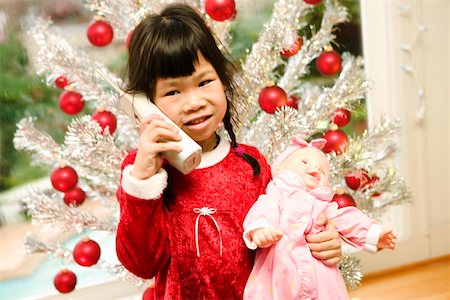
(265, 174)
(142, 243)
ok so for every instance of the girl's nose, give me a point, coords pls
(193, 102)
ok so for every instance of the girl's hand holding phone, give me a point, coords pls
(154, 139)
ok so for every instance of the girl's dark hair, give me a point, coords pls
(166, 45)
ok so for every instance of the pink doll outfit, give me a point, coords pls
(287, 270)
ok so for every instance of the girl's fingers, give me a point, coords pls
(148, 119)
(161, 135)
(163, 147)
(155, 121)
(329, 257)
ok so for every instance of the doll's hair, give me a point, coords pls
(166, 45)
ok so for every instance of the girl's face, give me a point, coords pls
(311, 165)
(196, 103)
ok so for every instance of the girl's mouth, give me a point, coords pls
(197, 121)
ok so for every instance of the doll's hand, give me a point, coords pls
(388, 239)
(154, 139)
(265, 237)
(325, 245)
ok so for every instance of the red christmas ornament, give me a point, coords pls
(314, 2)
(149, 294)
(329, 63)
(220, 10)
(105, 119)
(65, 281)
(61, 82)
(357, 180)
(100, 33)
(271, 98)
(372, 182)
(344, 200)
(74, 197)
(341, 117)
(129, 37)
(87, 252)
(64, 179)
(292, 102)
(71, 102)
(337, 141)
(293, 49)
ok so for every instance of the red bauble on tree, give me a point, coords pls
(149, 293)
(293, 49)
(87, 252)
(64, 179)
(357, 180)
(329, 63)
(105, 119)
(341, 117)
(74, 197)
(71, 102)
(373, 180)
(129, 38)
(271, 98)
(344, 200)
(65, 281)
(337, 141)
(100, 33)
(61, 82)
(292, 102)
(314, 2)
(220, 10)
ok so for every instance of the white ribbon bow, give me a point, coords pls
(206, 211)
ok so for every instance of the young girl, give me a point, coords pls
(186, 230)
(298, 193)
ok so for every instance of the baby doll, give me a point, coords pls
(279, 220)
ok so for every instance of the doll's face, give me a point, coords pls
(311, 165)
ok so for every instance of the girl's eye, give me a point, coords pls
(171, 93)
(204, 82)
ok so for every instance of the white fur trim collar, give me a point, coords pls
(216, 155)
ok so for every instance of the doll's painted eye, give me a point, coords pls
(304, 161)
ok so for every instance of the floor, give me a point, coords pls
(425, 280)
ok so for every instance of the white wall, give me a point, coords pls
(424, 142)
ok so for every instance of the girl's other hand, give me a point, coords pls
(325, 245)
(155, 138)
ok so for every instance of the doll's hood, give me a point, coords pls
(297, 143)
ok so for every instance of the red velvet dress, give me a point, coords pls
(193, 253)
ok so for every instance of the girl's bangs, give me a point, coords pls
(177, 55)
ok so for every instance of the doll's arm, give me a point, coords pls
(264, 213)
(388, 239)
(355, 227)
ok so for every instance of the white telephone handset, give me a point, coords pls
(138, 106)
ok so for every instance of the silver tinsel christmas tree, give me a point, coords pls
(360, 171)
